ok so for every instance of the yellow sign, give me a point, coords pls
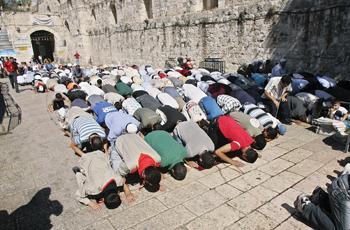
(22, 48)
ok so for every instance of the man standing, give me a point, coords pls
(77, 58)
(11, 70)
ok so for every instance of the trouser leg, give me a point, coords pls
(2, 108)
(12, 80)
(271, 107)
(317, 218)
(15, 82)
(283, 112)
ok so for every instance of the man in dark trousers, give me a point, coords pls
(11, 70)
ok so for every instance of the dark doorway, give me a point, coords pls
(43, 43)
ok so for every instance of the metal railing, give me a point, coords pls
(13, 113)
(213, 64)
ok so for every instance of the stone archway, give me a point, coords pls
(43, 43)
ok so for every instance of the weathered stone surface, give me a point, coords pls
(282, 181)
(218, 218)
(170, 219)
(152, 31)
(276, 166)
(249, 180)
(305, 167)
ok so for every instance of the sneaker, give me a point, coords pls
(76, 169)
(301, 201)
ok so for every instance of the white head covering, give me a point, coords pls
(131, 128)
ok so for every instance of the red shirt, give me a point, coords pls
(232, 131)
(9, 66)
(145, 161)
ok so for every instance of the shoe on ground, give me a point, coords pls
(76, 169)
(301, 201)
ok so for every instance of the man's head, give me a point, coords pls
(336, 105)
(96, 142)
(151, 178)
(270, 134)
(179, 171)
(58, 97)
(283, 62)
(259, 142)
(111, 197)
(206, 160)
(118, 105)
(99, 81)
(286, 80)
(249, 155)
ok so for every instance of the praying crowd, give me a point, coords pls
(141, 121)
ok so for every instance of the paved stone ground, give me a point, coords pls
(37, 185)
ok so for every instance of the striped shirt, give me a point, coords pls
(83, 127)
(265, 119)
(228, 103)
(130, 105)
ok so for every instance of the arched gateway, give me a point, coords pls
(43, 43)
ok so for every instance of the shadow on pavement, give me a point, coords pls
(34, 215)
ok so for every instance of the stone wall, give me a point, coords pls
(312, 34)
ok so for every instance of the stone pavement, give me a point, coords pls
(37, 184)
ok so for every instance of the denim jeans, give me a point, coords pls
(339, 200)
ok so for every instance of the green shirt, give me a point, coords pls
(170, 151)
(123, 89)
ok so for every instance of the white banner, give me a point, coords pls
(43, 21)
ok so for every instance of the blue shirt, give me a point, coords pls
(210, 107)
(116, 122)
(278, 71)
(101, 109)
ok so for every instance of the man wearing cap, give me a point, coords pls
(97, 181)
(228, 137)
(171, 152)
(198, 144)
(133, 155)
(118, 123)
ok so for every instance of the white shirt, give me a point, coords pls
(275, 89)
(166, 99)
(113, 97)
(130, 105)
(193, 92)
